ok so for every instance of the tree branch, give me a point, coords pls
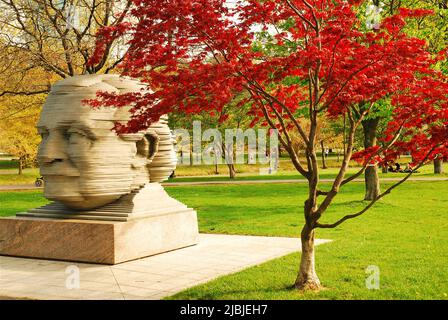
(389, 190)
(23, 93)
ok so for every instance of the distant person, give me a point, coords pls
(390, 168)
(409, 168)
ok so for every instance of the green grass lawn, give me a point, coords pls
(405, 235)
(13, 202)
(8, 164)
(250, 172)
(330, 173)
(28, 176)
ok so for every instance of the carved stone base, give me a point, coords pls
(105, 242)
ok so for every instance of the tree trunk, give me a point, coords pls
(372, 181)
(20, 165)
(344, 136)
(324, 164)
(216, 169)
(307, 278)
(232, 171)
(438, 166)
(229, 162)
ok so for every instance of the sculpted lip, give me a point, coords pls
(57, 172)
(55, 175)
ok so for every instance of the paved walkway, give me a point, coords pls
(149, 278)
(19, 187)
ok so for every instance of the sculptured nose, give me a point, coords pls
(51, 150)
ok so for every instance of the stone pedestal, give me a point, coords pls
(143, 223)
(104, 242)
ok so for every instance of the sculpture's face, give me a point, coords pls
(83, 162)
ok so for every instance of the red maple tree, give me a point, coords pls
(294, 59)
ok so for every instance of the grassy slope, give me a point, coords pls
(8, 164)
(248, 172)
(406, 235)
(330, 173)
(27, 177)
(13, 202)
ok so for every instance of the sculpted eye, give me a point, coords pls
(75, 135)
(43, 133)
(66, 134)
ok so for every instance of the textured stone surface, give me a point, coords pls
(98, 241)
(85, 164)
(57, 239)
(153, 277)
(149, 200)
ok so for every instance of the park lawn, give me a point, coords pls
(329, 173)
(27, 177)
(8, 164)
(19, 201)
(405, 235)
(247, 173)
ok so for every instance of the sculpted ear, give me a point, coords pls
(153, 140)
(147, 148)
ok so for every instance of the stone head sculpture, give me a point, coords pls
(85, 164)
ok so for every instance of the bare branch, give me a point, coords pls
(347, 82)
(366, 163)
(287, 144)
(24, 93)
(389, 190)
(300, 15)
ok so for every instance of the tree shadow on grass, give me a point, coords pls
(285, 291)
(360, 204)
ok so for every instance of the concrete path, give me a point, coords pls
(149, 278)
(19, 187)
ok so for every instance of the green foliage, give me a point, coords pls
(381, 109)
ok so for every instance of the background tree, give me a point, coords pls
(42, 41)
(19, 113)
(433, 28)
(232, 116)
(326, 66)
(18, 134)
(328, 136)
(57, 36)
